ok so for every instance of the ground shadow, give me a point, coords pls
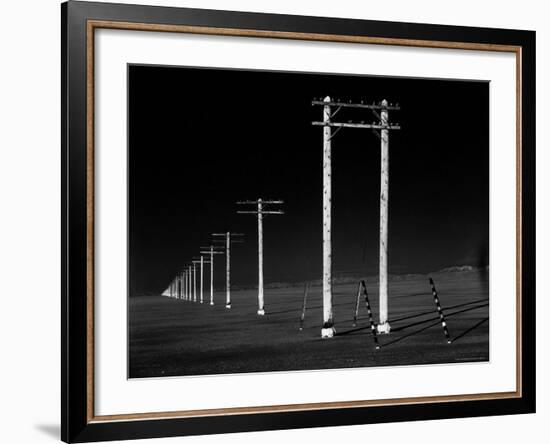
(464, 333)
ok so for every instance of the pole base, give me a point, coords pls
(327, 332)
(227, 306)
(211, 303)
(383, 328)
(261, 312)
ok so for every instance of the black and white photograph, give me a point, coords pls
(287, 221)
(232, 221)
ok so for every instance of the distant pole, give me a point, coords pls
(198, 261)
(194, 282)
(227, 270)
(210, 250)
(190, 272)
(202, 275)
(260, 212)
(383, 325)
(261, 308)
(327, 331)
(211, 275)
(185, 288)
(227, 241)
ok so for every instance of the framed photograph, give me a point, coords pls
(276, 221)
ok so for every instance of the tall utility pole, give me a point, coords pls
(211, 250)
(383, 325)
(182, 285)
(202, 277)
(200, 260)
(327, 330)
(381, 129)
(195, 262)
(189, 278)
(261, 212)
(194, 281)
(227, 241)
(187, 285)
(185, 277)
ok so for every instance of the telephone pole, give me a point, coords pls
(211, 250)
(200, 260)
(194, 281)
(227, 241)
(261, 212)
(185, 280)
(182, 285)
(185, 285)
(381, 128)
(189, 277)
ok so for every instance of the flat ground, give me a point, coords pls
(170, 337)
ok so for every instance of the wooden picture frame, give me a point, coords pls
(79, 22)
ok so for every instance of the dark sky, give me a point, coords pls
(201, 139)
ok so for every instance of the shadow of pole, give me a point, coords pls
(400, 338)
(416, 315)
(464, 333)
